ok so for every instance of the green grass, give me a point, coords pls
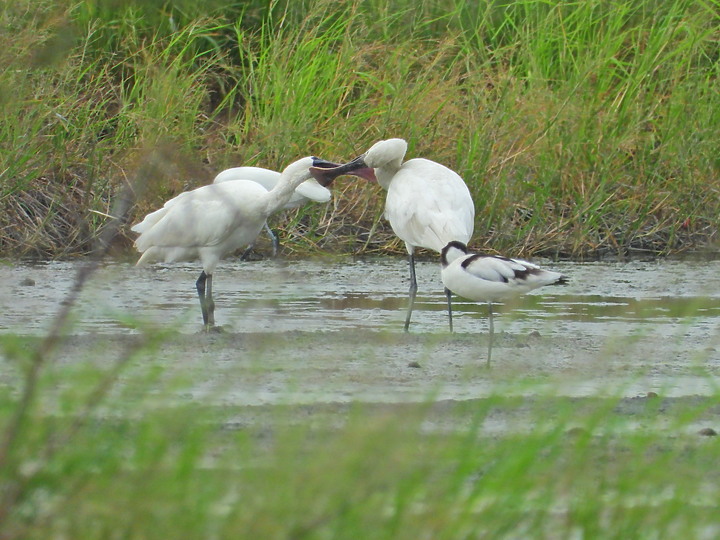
(581, 127)
(139, 463)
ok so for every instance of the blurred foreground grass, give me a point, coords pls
(114, 445)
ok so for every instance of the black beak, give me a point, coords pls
(356, 167)
(323, 164)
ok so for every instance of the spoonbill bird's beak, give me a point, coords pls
(356, 167)
(321, 163)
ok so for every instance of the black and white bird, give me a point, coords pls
(490, 278)
(213, 221)
(427, 204)
(308, 191)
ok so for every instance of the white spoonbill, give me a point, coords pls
(489, 278)
(212, 221)
(308, 191)
(427, 204)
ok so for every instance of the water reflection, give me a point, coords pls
(320, 295)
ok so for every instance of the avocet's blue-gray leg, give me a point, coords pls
(448, 293)
(492, 331)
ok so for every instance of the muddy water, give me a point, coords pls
(331, 330)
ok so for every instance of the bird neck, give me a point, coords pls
(386, 173)
(279, 195)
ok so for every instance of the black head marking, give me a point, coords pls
(452, 244)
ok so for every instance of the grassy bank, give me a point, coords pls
(581, 128)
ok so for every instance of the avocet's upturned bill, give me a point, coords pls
(427, 204)
(307, 191)
(490, 278)
(212, 221)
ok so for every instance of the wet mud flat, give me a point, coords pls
(318, 379)
(317, 340)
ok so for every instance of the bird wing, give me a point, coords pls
(267, 178)
(153, 217)
(203, 217)
(428, 205)
(191, 224)
(497, 269)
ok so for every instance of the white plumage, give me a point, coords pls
(307, 191)
(489, 278)
(213, 221)
(427, 204)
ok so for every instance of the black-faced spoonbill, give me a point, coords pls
(308, 191)
(489, 278)
(213, 221)
(427, 204)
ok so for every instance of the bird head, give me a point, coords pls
(382, 153)
(453, 250)
(387, 152)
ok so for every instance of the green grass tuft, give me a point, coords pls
(582, 128)
(143, 464)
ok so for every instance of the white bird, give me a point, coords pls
(427, 204)
(490, 278)
(308, 191)
(211, 221)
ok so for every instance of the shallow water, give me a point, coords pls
(322, 295)
(338, 327)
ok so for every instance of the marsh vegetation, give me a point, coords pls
(582, 128)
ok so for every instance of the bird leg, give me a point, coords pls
(492, 331)
(275, 240)
(448, 293)
(275, 244)
(413, 291)
(200, 286)
(210, 303)
(246, 254)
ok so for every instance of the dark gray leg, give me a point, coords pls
(413, 291)
(210, 303)
(275, 240)
(275, 244)
(448, 293)
(200, 286)
(492, 331)
(246, 253)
